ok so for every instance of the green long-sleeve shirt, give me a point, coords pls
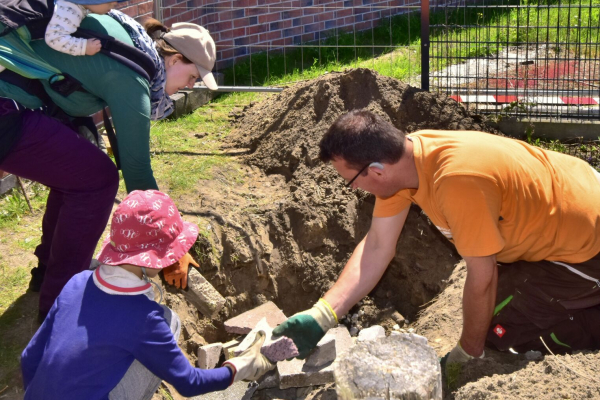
(107, 82)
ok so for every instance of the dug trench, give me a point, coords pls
(286, 236)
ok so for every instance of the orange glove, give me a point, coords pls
(177, 274)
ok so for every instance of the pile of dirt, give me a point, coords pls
(319, 222)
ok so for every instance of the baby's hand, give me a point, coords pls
(92, 47)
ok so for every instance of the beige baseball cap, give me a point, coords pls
(195, 43)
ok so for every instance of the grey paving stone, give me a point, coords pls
(276, 350)
(208, 356)
(203, 295)
(323, 354)
(395, 367)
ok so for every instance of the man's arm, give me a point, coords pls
(367, 264)
(479, 297)
(360, 275)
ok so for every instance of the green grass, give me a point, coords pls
(471, 26)
(13, 206)
(187, 150)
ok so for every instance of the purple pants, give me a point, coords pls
(83, 184)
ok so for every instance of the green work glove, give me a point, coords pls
(306, 328)
(251, 364)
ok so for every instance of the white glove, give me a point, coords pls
(459, 356)
(251, 364)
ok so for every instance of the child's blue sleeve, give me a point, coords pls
(157, 350)
(33, 353)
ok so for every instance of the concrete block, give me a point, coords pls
(203, 295)
(296, 373)
(187, 100)
(208, 356)
(239, 390)
(371, 333)
(245, 322)
(275, 350)
(395, 367)
(323, 354)
(7, 182)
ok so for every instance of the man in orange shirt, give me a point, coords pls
(526, 221)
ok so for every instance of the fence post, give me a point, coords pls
(425, 45)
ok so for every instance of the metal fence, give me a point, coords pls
(536, 60)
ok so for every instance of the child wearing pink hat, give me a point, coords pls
(106, 338)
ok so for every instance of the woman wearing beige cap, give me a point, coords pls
(180, 55)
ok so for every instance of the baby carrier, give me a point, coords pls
(26, 20)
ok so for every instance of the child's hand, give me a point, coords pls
(92, 47)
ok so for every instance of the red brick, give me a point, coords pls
(166, 12)
(312, 10)
(258, 10)
(285, 24)
(361, 26)
(307, 20)
(186, 16)
(308, 37)
(291, 13)
(240, 22)
(233, 33)
(297, 4)
(343, 13)
(244, 3)
(282, 42)
(131, 11)
(349, 20)
(268, 36)
(252, 30)
(224, 44)
(223, 64)
(324, 16)
(170, 21)
(266, 18)
(209, 18)
(226, 54)
(144, 8)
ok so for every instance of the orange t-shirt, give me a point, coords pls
(494, 195)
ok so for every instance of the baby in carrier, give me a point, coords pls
(66, 19)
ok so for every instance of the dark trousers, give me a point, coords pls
(83, 184)
(547, 300)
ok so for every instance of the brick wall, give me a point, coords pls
(236, 25)
(138, 9)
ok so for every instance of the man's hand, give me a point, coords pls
(457, 356)
(177, 274)
(92, 46)
(251, 364)
(306, 328)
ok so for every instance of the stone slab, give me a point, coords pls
(245, 322)
(323, 354)
(237, 391)
(203, 295)
(295, 373)
(208, 356)
(275, 350)
(371, 333)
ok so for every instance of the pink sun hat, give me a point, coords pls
(146, 230)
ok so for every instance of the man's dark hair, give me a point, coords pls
(361, 137)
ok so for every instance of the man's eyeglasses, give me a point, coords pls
(349, 184)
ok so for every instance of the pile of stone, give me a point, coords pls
(404, 364)
(290, 379)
